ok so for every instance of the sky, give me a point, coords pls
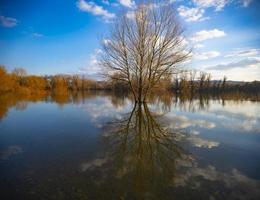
(64, 37)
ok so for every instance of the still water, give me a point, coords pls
(104, 146)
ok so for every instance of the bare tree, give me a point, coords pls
(184, 83)
(208, 79)
(192, 80)
(20, 72)
(76, 83)
(144, 47)
(224, 83)
(202, 79)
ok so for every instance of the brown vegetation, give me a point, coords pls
(188, 83)
(191, 82)
(19, 82)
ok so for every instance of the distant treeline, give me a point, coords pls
(193, 81)
(19, 82)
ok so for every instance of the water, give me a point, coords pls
(104, 146)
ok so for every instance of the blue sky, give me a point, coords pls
(50, 37)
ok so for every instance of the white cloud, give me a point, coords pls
(217, 4)
(241, 119)
(198, 46)
(103, 110)
(202, 143)
(95, 9)
(37, 35)
(184, 42)
(248, 110)
(130, 15)
(250, 125)
(92, 67)
(127, 3)
(232, 180)
(240, 64)
(246, 3)
(99, 162)
(244, 53)
(207, 34)
(206, 55)
(106, 2)
(182, 122)
(192, 14)
(220, 4)
(248, 73)
(194, 132)
(106, 41)
(8, 21)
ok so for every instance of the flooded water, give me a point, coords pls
(104, 146)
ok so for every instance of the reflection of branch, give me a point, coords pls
(142, 151)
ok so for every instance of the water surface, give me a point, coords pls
(105, 146)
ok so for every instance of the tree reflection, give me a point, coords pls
(20, 102)
(165, 100)
(140, 157)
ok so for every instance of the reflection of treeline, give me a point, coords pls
(21, 100)
(200, 101)
(197, 101)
